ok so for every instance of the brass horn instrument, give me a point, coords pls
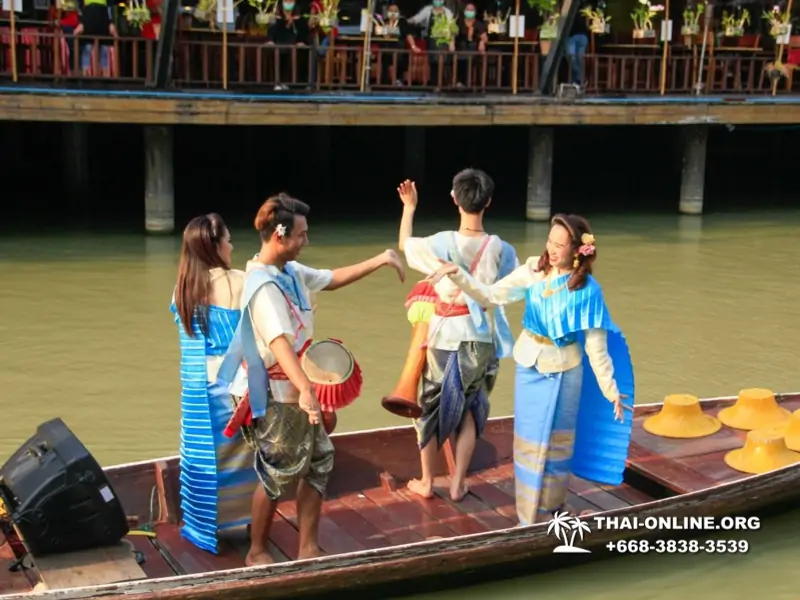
(403, 400)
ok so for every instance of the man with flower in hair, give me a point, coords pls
(276, 327)
(465, 341)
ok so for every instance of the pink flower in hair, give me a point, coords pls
(587, 247)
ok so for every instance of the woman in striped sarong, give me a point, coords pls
(573, 371)
(217, 476)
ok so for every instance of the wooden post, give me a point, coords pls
(224, 44)
(665, 50)
(515, 57)
(694, 169)
(159, 197)
(11, 4)
(778, 52)
(540, 174)
(367, 58)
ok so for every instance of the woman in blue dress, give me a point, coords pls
(573, 370)
(217, 475)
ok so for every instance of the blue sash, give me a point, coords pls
(443, 245)
(243, 347)
(601, 443)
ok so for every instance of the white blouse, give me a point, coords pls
(528, 351)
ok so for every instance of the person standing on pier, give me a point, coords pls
(573, 365)
(215, 470)
(276, 327)
(462, 356)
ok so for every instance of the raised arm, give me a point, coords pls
(508, 290)
(408, 196)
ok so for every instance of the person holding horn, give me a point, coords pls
(275, 330)
(461, 362)
(573, 370)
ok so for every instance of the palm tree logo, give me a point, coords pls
(566, 528)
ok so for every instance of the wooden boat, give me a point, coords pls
(378, 534)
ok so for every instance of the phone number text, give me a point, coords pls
(679, 546)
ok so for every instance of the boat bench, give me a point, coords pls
(99, 566)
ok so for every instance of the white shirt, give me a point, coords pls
(446, 333)
(528, 352)
(272, 317)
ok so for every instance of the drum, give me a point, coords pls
(334, 372)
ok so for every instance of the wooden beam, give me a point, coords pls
(569, 10)
(166, 44)
(184, 110)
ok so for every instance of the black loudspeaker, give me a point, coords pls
(57, 495)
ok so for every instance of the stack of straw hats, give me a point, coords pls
(773, 439)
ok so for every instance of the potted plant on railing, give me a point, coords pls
(266, 11)
(642, 17)
(327, 19)
(548, 31)
(137, 13)
(205, 10)
(778, 22)
(598, 21)
(733, 26)
(691, 22)
(496, 24)
(444, 30)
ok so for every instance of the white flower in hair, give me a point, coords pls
(280, 229)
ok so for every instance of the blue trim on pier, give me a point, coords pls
(408, 98)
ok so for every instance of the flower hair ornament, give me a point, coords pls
(585, 249)
(280, 229)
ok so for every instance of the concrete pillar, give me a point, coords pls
(324, 150)
(540, 174)
(75, 148)
(693, 178)
(159, 190)
(415, 155)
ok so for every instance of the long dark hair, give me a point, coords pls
(199, 254)
(576, 225)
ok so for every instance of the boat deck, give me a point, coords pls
(378, 517)
(371, 508)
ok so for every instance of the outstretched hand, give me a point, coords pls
(620, 408)
(393, 260)
(443, 271)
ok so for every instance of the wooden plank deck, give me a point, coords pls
(377, 517)
(684, 466)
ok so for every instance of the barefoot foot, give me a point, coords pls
(309, 552)
(458, 489)
(260, 557)
(423, 488)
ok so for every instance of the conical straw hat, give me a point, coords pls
(792, 438)
(681, 417)
(764, 450)
(755, 408)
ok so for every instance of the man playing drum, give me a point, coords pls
(276, 328)
(463, 345)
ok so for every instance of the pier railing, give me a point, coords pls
(252, 64)
(51, 56)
